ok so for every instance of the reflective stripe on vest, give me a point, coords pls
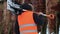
(26, 23)
(28, 31)
(21, 26)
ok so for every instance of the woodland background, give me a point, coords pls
(7, 20)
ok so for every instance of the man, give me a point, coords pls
(27, 20)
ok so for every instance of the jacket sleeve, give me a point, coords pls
(39, 20)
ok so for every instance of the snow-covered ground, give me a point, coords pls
(39, 32)
(59, 30)
(47, 31)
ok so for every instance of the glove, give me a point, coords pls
(51, 16)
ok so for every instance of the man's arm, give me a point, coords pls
(50, 16)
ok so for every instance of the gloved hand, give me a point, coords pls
(51, 16)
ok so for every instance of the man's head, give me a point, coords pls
(18, 1)
(26, 6)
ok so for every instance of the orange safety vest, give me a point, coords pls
(26, 23)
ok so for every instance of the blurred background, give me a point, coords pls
(7, 20)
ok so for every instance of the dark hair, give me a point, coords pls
(26, 6)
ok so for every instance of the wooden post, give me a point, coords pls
(50, 4)
(47, 30)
